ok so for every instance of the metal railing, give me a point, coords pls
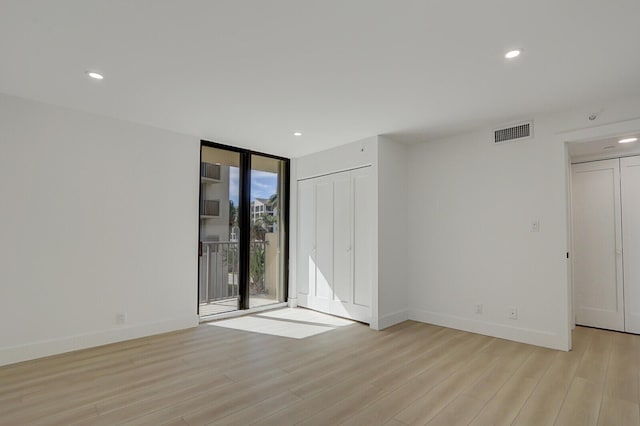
(219, 269)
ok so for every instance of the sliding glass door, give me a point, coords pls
(268, 187)
(219, 231)
(243, 229)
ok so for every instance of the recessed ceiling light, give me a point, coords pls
(95, 75)
(609, 147)
(297, 134)
(627, 140)
(512, 54)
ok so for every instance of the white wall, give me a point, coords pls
(97, 217)
(392, 232)
(470, 209)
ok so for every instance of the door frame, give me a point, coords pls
(580, 136)
(244, 217)
(631, 315)
(593, 166)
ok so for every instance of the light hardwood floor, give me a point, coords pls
(412, 373)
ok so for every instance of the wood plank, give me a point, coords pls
(618, 412)
(623, 369)
(582, 404)
(428, 406)
(545, 402)
(382, 410)
(263, 409)
(504, 406)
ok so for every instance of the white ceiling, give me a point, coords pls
(250, 73)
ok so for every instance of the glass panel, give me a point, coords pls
(266, 260)
(219, 194)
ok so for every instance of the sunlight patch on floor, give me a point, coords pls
(307, 315)
(288, 322)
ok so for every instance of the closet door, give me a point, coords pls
(630, 178)
(334, 257)
(321, 294)
(597, 244)
(306, 240)
(342, 245)
(363, 253)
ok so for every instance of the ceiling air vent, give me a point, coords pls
(513, 132)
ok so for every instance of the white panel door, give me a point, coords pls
(342, 230)
(352, 297)
(322, 293)
(334, 245)
(306, 240)
(597, 244)
(362, 244)
(630, 178)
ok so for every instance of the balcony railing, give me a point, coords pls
(219, 270)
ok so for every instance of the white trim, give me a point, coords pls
(393, 318)
(373, 324)
(571, 251)
(600, 132)
(50, 347)
(598, 157)
(348, 169)
(293, 232)
(242, 312)
(518, 334)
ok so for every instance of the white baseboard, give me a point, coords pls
(394, 318)
(13, 354)
(373, 323)
(518, 334)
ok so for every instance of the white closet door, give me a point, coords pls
(342, 229)
(362, 243)
(320, 297)
(597, 244)
(306, 253)
(630, 178)
(334, 257)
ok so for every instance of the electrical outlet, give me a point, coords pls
(479, 308)
(513, 314)
(121, 318)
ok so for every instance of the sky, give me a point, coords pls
(263, 184)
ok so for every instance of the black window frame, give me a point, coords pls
(244, 219)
